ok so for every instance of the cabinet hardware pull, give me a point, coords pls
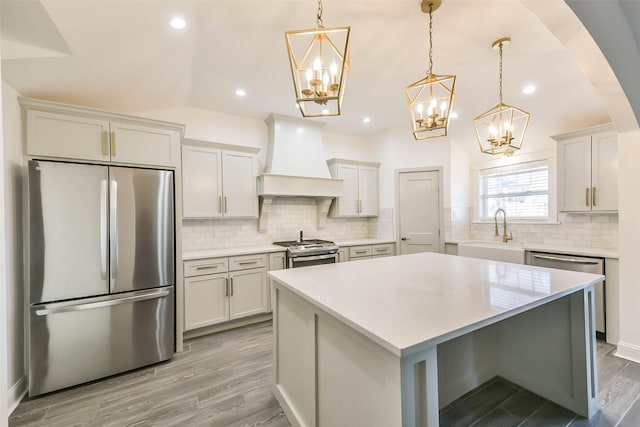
(206, 267)
(593, 196)
(113, 142)
(586, 200)
(361, 252)
(220, 204)
(403, 238)
(225, 204)
(105, 143)
(226, 287)
(381, 249)
(563, 259)
(247, 262)
(231, 280)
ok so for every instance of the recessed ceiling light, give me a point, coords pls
(529, 89)
(454, 115)
(178, 23)
(241, 92)
(366, 120)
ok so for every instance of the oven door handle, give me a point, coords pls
(314, 257)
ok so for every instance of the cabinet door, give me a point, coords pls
(574, 175)
(240, 198)
(348, 204)
(144, 145)
(387, 249)
(604, 172)
(201, 182)
(368, 190)
(205, 300)
(67, 136)
(277, 261)
(343, 254)
(248, 292)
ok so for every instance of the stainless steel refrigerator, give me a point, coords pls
(101, 271)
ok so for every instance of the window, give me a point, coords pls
(521, 190)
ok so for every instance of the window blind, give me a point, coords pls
(523, 192)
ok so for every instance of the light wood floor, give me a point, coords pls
(225, 380)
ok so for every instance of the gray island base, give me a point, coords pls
(388, 342)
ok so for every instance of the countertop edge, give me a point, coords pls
(541, 247)
(247, 250)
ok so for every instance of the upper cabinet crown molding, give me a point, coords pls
(606, 127)
(71, 132)
(220, 145)
(80, 111)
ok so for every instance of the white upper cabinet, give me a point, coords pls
(201, 182)
(360, 188)
(588, 170)
(218, 182)
(69, 132)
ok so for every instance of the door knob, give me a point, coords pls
(403, 238)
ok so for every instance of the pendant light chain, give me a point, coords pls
(500, 71)
(319, 16)
(430, 39)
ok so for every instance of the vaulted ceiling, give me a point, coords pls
(123, 56)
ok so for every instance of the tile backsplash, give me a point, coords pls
(573, 230)
(288, 215)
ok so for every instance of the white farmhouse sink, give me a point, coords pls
(507, 252)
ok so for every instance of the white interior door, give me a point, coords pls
(419, 211)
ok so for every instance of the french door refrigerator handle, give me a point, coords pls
(113, 214)
(104, 229)
(57, 308)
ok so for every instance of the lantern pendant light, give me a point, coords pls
(431, 99)
(319, 60)
(501, 130)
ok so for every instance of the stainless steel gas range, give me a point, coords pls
(303, 253)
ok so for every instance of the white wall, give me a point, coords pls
(629, 155)
(14, 273)
(4, 310)
(564, 24)
(397, 149)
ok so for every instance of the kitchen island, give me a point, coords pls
(387, 342)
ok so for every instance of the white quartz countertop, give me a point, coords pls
(359, 242)
(540, 247)
(246, 250)
(407, 302)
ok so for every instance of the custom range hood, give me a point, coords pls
(296, 166)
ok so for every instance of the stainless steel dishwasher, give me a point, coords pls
(576, 263)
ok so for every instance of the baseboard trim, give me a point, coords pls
(227, 325)
(628, 351)
(16, 393)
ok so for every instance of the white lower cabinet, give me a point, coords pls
(222, 289)
(356, 253)
(205, 300)
(277, 261)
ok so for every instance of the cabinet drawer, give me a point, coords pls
(359, 251)
(383, 250)
(199, 267)
(247, 261)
